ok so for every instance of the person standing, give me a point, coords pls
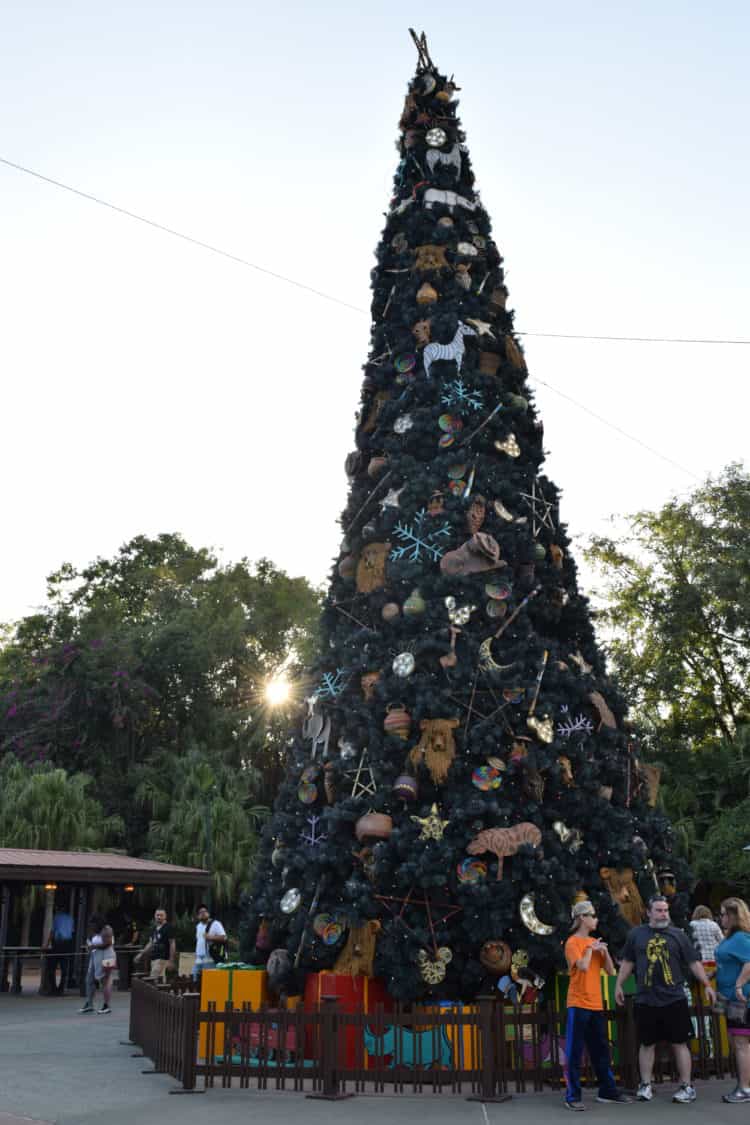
(705, 933)
(161, 947)
(587, 957)
(210, 942)
(662, 958)
(733, 983)
(60, 945)
(101, 966)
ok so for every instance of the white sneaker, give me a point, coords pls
(645, 1093)
(684, 1094)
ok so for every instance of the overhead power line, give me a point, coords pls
(319, 292)
(356, 308)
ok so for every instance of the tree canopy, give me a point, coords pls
(677, 600)
(148, 667)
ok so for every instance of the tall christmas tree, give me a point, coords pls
(462, 773)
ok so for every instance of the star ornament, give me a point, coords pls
(390, 500)
(483, 327)
(432, 827)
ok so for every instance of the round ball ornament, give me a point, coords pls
(498, 591)
(496, 609)
(457, 487)
(405, 787)
(320, 921)
(390, 611)
(471, 871)
(404, 363)
(486, 778)
(332, 933)
(427, 82)
(404, 664)
(457, 472)
(436, 137)
(307, 792)
(291, 901)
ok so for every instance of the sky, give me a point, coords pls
(149, 385)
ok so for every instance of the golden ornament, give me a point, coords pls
(432, 827)
(509, 446)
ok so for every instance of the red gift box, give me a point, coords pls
(352, 994)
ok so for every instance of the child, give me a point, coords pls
(586, 957)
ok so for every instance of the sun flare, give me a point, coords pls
(278, 692)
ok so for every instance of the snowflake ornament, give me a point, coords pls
(417, 541)
(313, 837)
(579, 725)
(456, 393)
(332, 684)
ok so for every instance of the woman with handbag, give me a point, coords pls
(101, 966)
(733, 984)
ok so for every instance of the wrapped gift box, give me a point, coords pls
(353, 994)
(238, 985)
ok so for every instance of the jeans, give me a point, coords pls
(587, 1029)
(60, 956)
(201, 964)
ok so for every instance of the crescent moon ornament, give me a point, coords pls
(529, 917)
(486, 660)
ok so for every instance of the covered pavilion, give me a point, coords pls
(80, 873)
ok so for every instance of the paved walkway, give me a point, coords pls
(59, 1068)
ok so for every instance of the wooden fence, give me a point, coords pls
(486, 1051)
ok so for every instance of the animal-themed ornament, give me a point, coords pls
(450, 159)
(504, 842)
(452, 351)
(368, 682)
(432, 826)
(371, 567)
(357, 957)
(557, 555)
(433, 972)
(421, 330)
(316, 727)
(606, 718)
(570, 836)
(526, 908)
(436, 748)
(624, 892)
(462, 275)
(430, 257)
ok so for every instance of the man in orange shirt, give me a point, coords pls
(587, 956)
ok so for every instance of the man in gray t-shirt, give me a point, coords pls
(663, 958)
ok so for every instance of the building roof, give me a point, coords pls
(32, 866)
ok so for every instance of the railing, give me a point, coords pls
(486, 1051)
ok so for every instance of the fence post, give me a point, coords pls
(329, 1052)
(190, 1002)
(488, 1047)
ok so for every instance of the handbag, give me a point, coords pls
(109, 963)
(736, 1010)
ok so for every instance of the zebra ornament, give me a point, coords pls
(453, 351)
